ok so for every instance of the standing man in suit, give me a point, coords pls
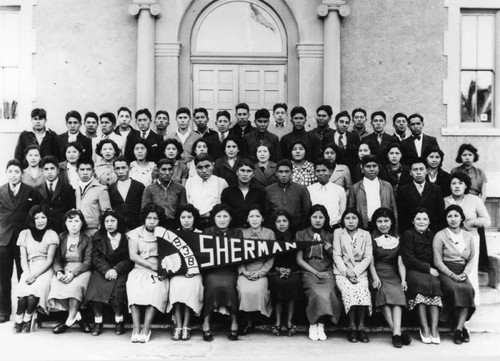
(379, 139)
(419, 194)
(16, 199)
(259, 136)
(323, 131)
(200, 116)
(242, 126)
(162, 120)
(400, 124)
(413, 147)
(54, 194)
(348, 142)
(359, 122)
(143, 120)
(184, 133)
(280, 126)
(73, 123)
(222, 122)
(125, 194)
(299, 119)
(108, 123)
(39, 135)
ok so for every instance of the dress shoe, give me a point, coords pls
(363, 337)
(246, 329)
(84, 326)
(313, 332)
(465, 335)
(186, 333)
(275, 330)
(143, 338)
(135, 337)
(426, 340)
(233, 335)
(208, 336)
(97, 329)
(396, 341)
(60, 328)
(177, 334)
(405, 339)
(26, 327)
(435, 340)
(120, 328)
(17, 327)
(321, 332)
(352, 336)
(457, 337)
(292, 330)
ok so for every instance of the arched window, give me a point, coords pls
(238, 27)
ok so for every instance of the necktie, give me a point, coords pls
(51, 189)
(143, 136)
(341, 143)
(420, 188)
(379, 138)
(222, 136)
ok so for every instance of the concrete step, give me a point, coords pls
(484, 279)
(489, 295)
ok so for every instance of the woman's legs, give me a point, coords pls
(352, 318)
(278, 309)
(22, 304)
(462, 317)
(290, 311)
(136, 318)
(361, 311)
(148, 319)
(396, 319)
(387, 312)
(74, 307)
(422, 317)
(434, 318)
(177, 315)
(206, 322)
(187, 316)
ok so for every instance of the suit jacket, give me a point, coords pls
(381, 148)
(153, 140)
(266, 178)
(49, 145)
(311, 141)
(14, 212)
(443, 180)
(408, 200)
(234, 198)
(350, 157)
(63, 199)
(410, 152)
(85, 143)
(130, 207)
(224, 170)
(216, 146)
(252, 141)
(239, 133)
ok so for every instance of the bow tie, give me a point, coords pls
(419, 137)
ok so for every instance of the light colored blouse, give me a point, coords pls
(473, 209)
(353, 253)
(445, 250)
(261, 266)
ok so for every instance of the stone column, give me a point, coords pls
(331, 11)
(146, 11)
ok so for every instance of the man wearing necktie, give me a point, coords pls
(73, 123)
(379, 139)
(414, 146)
(143, 120)
(347, 141)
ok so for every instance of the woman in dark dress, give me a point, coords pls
(111, 264)
(388, 273)
(433, 157)
(424, 289)
(285, 281)
(453, 256)
(220, 283)
(397, 173)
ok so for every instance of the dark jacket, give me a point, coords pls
(233, 197)
(216, 146)
(130, 207)
(443, 180)
(63, 199)
(410, 152)
(14, 211)
(105, 258)
(224, 170)
(350, 156)
(254, 139)
(380, 149)
(266, 178)
(237, 132)
(84, 251)
(49, 145)
(154, 140)
(312, 143)
(293, 197)
(416, 250)
(85, 143)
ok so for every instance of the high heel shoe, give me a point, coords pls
(186, 333)
(144, 338)
(435, 340)
(135, 337)
(426, 340)
(177, 334)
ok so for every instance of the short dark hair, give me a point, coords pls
(72, 213)
(91, 115)
(31, 147)
(37, 208)
(223, 113)
(378, 112)
(264, 143)
(152, 208)
(357, 110)
(433, 149)
(343, 113)
(386, 213)
(176, 143)
(280, 105)
(338, 151)
(242, 106)
(368, 143)
(328, 109)
(420, 210)
(188, 207)
(39, 112)
(144, 143)
(369, 158)
(144, 111)
(457, 208)
(230, 138)
(417, 160)
(84, 160)
(284, 213)
(244, 162)
(262, 113)
(75, 145)
(164, 112)
(284, 163)
(121, 158)
(203, 157)
(164, 161)
(219, 208)
(201, 110)
(200, 140)
(389, 148)
(98, 149)
(124, 109)
(399, 115)
(323, 161)
(49, 159)
(415, 115)
(108, 115)
(463, 177)
(73, 114)
(319, 208)
(255, 207)
(15, 163)
(114, 214)
(183, 110)
(298, 110)
(350, 210)
(300, 142)
(465, 147)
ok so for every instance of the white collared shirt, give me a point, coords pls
(332, 196)
(372, 191)
(420, 187)
(15, 188)
(418, 145)
(205, 194)
(115, 241)
(72, 137)
(54, 184)
(342, 136)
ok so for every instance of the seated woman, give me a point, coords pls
(388, 273)
(316, 264)
(285, 280)
(186, 291)
(340, 173)
(33, 174)
(302, 169)
(67, 169)
(265, 170)
(37, 246)
(72, 264)
(352, 254)
(200, 146)
(111, 264)
(145, 290)
(141, 169)
(172, 149)
(108, 151)
(453, 256)
(226, 166)
(220, 283)
(424, 289)
(253, 288)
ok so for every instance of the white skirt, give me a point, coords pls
(186, 290)
(144, 289)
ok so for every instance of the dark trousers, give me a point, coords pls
(8, 256)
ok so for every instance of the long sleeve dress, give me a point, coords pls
(355, 254)
(255, 295)
(320, 293)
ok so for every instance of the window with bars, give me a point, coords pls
(9, 61)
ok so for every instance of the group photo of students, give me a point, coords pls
(393, 233)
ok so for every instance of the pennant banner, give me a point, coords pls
(188, 252)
